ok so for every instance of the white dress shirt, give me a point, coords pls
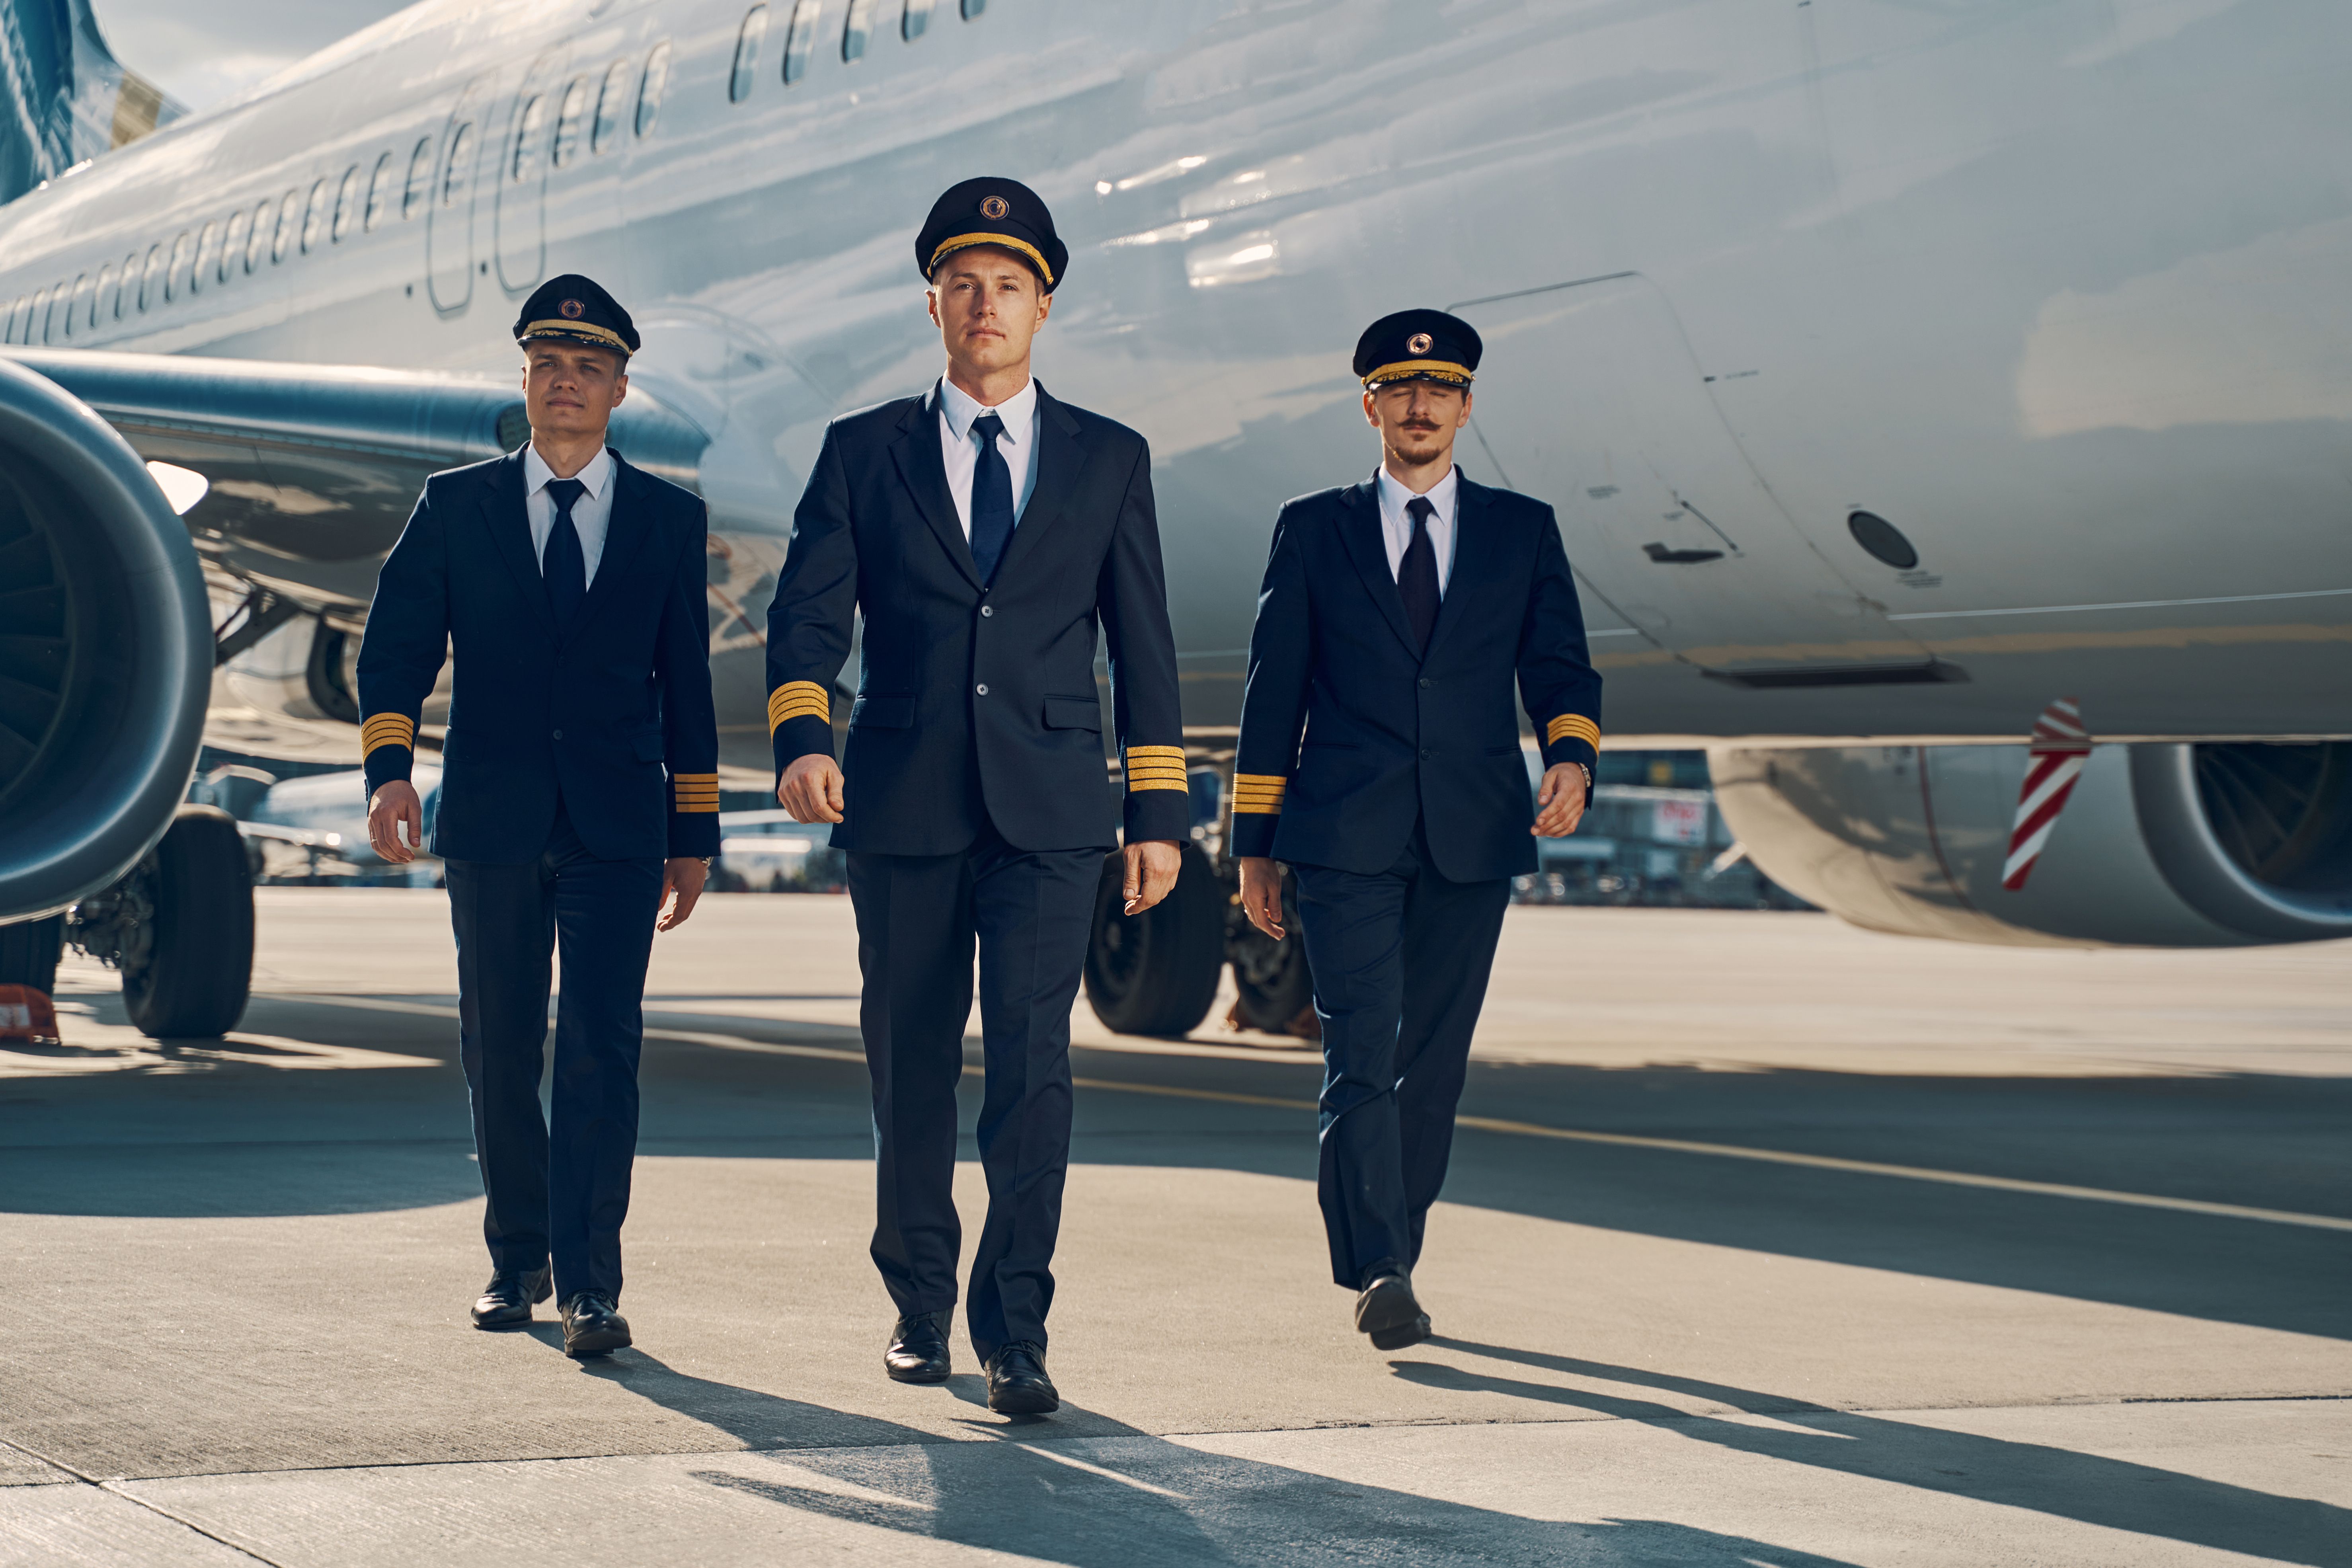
(1396, 528)
(960, 447)
(590, 513)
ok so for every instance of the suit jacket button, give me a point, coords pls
(982, 689)
(988, 609)
(1428, 756)
(1427, 683)
(559, 735)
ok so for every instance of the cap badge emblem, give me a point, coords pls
(994, 207)
(571, 309)
(1417, 344)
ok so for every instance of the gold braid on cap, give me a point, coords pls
(587, 331)
(1427, 368)
(966, 241)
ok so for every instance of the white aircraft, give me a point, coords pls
(1896, 370)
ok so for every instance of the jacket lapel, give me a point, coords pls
(626, 523)
(1061, 458)
(510, 529)
(917, 452)
(1359, 528)
(1473, 557)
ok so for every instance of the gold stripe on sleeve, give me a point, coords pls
(1156, 767)
(1572, 727)
(383, 730)
(796, 699)
(1259, 795)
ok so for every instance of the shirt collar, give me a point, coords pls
(1394, 496)
(536, 473)
(1018, 411)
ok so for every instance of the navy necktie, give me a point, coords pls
(1417, 573)
(562, 564)
(991, 499)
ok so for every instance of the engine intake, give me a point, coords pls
(105, 651)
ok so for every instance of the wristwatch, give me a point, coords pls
(1588, 781)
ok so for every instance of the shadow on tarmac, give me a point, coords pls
(2112, 1493)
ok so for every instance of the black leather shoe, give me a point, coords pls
(1017, 1383)
(1388, 1311)
(918, 1349)
(592, 1325)
(508, 1298)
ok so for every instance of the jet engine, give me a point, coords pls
(106, 651)
(2172, 845)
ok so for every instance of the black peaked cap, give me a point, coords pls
(993, 211)
(578, 309)
(1418, 345)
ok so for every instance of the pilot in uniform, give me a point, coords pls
(1379, 758)
(988, 532)
(578, 788)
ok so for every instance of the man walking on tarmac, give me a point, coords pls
(987, 529)
(1379, 758)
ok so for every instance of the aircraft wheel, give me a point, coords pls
(30, 951)
(1275, 990)
(187, 953)
(1155, 972)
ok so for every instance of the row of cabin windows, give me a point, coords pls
(807, 20)
(279, 224)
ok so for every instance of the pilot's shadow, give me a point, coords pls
(2115, 1493)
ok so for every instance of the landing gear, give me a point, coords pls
(1155, 972)
(180, 927)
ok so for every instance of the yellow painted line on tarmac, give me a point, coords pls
(1513, 1129)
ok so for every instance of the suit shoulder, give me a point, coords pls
(1313, 505)
(1101, 431)
(1512, 503)
(875, 420)
(668, 494)
(448, 482)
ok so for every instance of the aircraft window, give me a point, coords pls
(608, 106)
(8, 323)
(183, 250)
(973, 7)
(379, 191)
(78, 310)
(347, 201)
(314, 216)
(39, 318)
(124, 296)
(151, 279)
(568, 124)
(526, 142)
(657, 82)
(290, 208)
(259, 242)
(461, 159)
(747, 54)
(233, 243)
(854, 30)
(915, 20)
(106, 300)
(802, 38)
(207, 246)
(420, 177)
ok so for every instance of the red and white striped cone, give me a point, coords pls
(2056, 753)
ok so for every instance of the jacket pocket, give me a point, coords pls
(1333, 745)
(1512, 750)
(1073, 713)
(882, 714)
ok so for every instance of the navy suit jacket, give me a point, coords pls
(1389, 735)
(976, 702)
(613, 711)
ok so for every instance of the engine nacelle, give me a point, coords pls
(2161, 846)
(105, 651)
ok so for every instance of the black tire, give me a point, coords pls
(30, 951)
(1272, 982)
(188, 965)
(1155, 972)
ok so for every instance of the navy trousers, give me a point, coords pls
(919, 919)
(558, 1195)
(1401, 961)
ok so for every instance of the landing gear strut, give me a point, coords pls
(180, 928)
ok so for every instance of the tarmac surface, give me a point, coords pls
(1768, 1241)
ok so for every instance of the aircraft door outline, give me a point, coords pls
(519, 218)
(449, 217)
(1589, 396)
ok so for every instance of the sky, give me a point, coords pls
(203, 51)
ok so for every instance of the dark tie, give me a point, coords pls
(1417, 573)
(991, 499)
(562, 564)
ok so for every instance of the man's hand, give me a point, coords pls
(811, 789)
(395, 802)
(1559, 804)
(682, 878)
(1152, 867)
(1262, 894)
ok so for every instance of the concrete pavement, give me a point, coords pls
(1737, 1332)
